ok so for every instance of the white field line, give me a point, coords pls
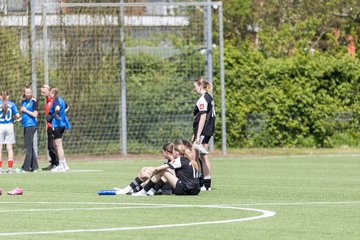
(265, 214)
(296, 203)
(86, 170)
(74, 171)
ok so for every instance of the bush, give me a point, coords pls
(287, 102)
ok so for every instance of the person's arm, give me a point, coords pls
(67, 107)
(161, 168)
(17, 117)
(33, 114)
(148, 172)
(153, 170)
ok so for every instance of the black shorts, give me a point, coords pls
(181, 189)
(57, 132)
(205, 140)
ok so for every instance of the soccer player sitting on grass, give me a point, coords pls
(184, 179)
(144, 175)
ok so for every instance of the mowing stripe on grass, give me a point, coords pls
(222, 205)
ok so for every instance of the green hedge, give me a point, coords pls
(306, 100)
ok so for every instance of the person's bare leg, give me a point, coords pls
(1, 147)
(59, 149)
(10, 151)
(61, 153)
(207, 168)
(9, 148)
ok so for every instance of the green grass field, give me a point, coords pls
(312, 197)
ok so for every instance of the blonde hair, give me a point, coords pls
(56, 91)
(201, 81)
(184, 147)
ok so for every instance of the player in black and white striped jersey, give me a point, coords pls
(144, 175)
(185, 180)
(204, 127)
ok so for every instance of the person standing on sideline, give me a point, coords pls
(29, 109)
(8, 112)
(204, 127)
(59, 122)
(54, 160)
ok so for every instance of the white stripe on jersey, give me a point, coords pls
(202, 104)
(195, 173)
(176, 163)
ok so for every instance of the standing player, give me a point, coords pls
(29, 109)
(204, 126)
(8, 112)
(59, 122)
(54, 160)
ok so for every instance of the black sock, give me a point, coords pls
(134, 184)
(138, 188)
(207, 183)
(201, 170)
(201, 181)
(149, 185)
(159, 185)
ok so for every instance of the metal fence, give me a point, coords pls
(126, 69)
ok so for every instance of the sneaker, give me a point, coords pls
(16, 191)
(10, 170)
(122, 191)
(203, 189)
(20, 170)
(141, 193)
(59, 168)
(66, 167)
(201, 148)
(1, 191)
(48, 168)
(151, 192)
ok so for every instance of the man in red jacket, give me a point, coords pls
(54, 160)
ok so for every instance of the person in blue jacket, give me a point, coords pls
(59, 122)
(29, 109)
(8, 112)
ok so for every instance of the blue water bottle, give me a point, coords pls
(107, 192)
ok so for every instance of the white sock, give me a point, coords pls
(63, 164)
(151, 191)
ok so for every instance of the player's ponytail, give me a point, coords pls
(208, 86)
(201, 81)
(55, 91)
(4, 96)
(184, 147)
